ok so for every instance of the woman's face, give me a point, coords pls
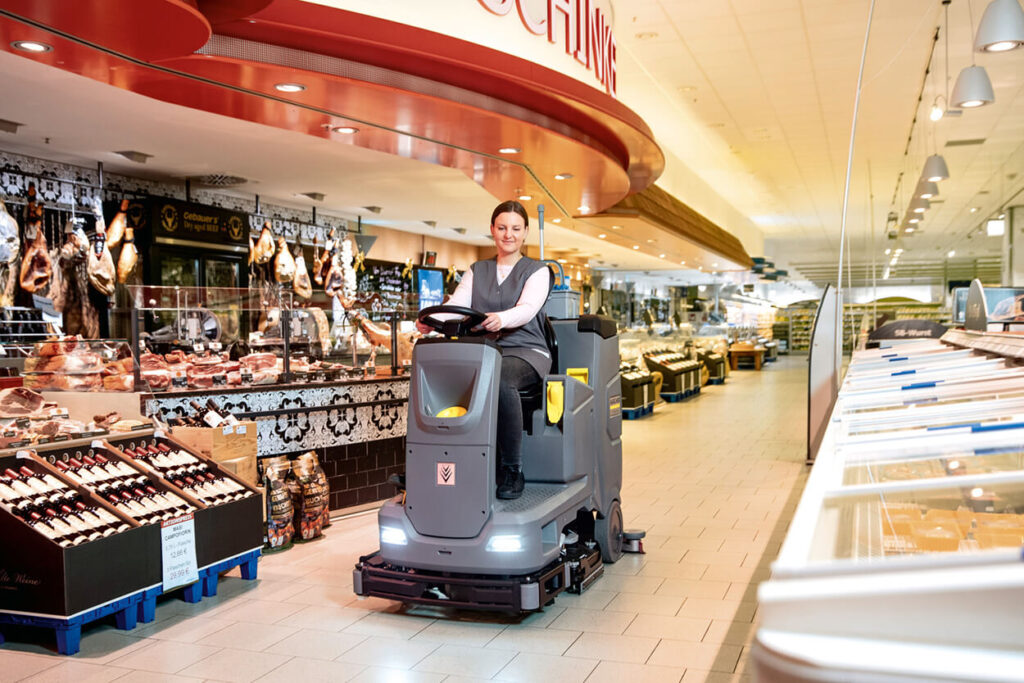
(509, 233)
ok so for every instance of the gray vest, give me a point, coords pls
(526, 342)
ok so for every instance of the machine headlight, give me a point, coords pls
(505, 544)
(392, 536)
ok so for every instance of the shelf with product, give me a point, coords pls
(908, 536)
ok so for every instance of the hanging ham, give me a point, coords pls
(264, 245)
(335, 279)
(317, 264)
(284, 264)
(9, 242)
(36, 267)
(301, 283)
(129, 257)
(100, 265)
(117, 227)
(80, 316)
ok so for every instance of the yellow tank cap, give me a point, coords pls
(453, 411)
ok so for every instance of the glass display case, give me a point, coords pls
(908, 538)
(72, 364)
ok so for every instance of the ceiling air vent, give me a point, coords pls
(218, 180)
(967, 142)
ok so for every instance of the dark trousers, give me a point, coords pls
(516, 374)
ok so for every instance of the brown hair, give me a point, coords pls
(511, 206)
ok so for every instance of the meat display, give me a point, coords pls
(264, 250)
(334, 281)
(327, 258)
(323, 328)
(20, 402)
(284, 264)
(116, 231)
(318, 264)
(258, 361)
(129, 257)
(80, 315)
(36, 266)
(100, 265)
(10, 244)
(303, 288)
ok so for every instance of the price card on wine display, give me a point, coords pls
(178, 551)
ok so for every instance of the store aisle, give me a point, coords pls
(714, 480)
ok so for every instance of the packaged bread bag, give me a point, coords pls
(309, 498)
(321, 477)
(280, 512)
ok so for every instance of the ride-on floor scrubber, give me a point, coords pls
(446, 539)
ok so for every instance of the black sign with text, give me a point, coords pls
(190, 221)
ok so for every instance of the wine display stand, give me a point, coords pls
(63, 588)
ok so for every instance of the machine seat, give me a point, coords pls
(532, 398)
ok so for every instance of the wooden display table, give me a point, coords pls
(746, 351)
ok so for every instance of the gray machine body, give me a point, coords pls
(451, 519)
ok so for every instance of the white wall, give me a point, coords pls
(926, 294)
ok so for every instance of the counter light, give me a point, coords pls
(345, 130)
(510, 150)
(290, 87)
(31, 46)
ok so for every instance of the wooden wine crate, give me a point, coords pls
(234, 448)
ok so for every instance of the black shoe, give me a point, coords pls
(510, 483)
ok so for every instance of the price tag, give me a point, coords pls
(321, 377)
(240, 429)
(178, 552)
(220, 380)
(18, 444)
(23, 455)
(179, 381)
(61, 437)
(215, 346)
(246, 378)
(198, 347)
(158, 434)
(22, 423)
(226, 430)
(96, 444)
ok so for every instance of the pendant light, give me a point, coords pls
(935, 169)
(1001, 27)
(918, 205)
(926, 189)
(973, 88)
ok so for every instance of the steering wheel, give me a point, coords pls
(453, 328)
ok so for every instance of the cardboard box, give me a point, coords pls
(233, 448)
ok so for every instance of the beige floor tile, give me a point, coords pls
(153, 677)
(376, 674)
(166, 657)
(742, 591)
(247, 636)
(645, 604)
(593, 620)
(717, 609)
(312, 644)
(235, 666)
(631, 584)
(99, 645)
(702, 656)
(66, 672)
(711, 557)
(312, 671)
(617, 672)
(528, 667)
(388, 625)
(679, 628)
(731, 632)
(323, 617)
(674, 570)
(181, 628)
(473, 634)
(612, 648)
(260, 612)
(594, 598)
(320, 594)
(265, 589)
(541, 619)
(547, 641)
(392, 653)
(464, 661)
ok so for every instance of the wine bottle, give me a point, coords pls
(226, 416)
(36, 521)
(211, 417)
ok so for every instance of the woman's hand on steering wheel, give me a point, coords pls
(492, 323)
(468, 324)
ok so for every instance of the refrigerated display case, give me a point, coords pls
(904, 558)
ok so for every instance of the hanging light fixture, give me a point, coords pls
(973, 88)
(926, 189)
(935, 169)
(918, 205)
(1001, 27)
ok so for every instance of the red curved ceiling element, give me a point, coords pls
(217, 11)
(462, 103)
(400, 47)
(145, 29)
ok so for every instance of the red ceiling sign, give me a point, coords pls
(581, 28)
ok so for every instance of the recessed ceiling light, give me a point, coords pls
(563, 176)
(919, 209)
(345, 130)
(687, 88)
(714, 265)
(290, 87)
(557, 220)
(661, 256)
(525, 197)
(915, 219)
(601, 236)
(646, 35)
(650, 241)
(974, 209)
(682, 263)
(910, 228)
(583, 208)
(31, 46)
(951, 253)
(562, 260)
(616, 227)
(636, 246)
(510, 150)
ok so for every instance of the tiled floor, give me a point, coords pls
(713, 480)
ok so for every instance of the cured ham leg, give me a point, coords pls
(303, 288)
(118, 226)
(10, 245)
(36, 267)
(334, 281)
(284, 264)
(318, 264)
(129, 257)
(264, 245)
(99, 264)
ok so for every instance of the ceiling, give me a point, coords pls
(751, 103)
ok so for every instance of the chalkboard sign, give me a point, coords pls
(385, 278)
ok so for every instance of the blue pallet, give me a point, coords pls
(674, 396)
(716, 380)
(209, 577)
(638, 412)
(68, 630)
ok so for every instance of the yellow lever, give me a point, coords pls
(556, 401)
(453, 411)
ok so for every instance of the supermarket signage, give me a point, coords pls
(178, 552)
(580, 26)
(188, 220)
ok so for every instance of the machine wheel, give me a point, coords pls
(608, 533)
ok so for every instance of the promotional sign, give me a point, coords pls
(190, 221)
(908, 329)
(178, 552)
(430, 285)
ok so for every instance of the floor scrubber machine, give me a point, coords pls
(446, 539)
